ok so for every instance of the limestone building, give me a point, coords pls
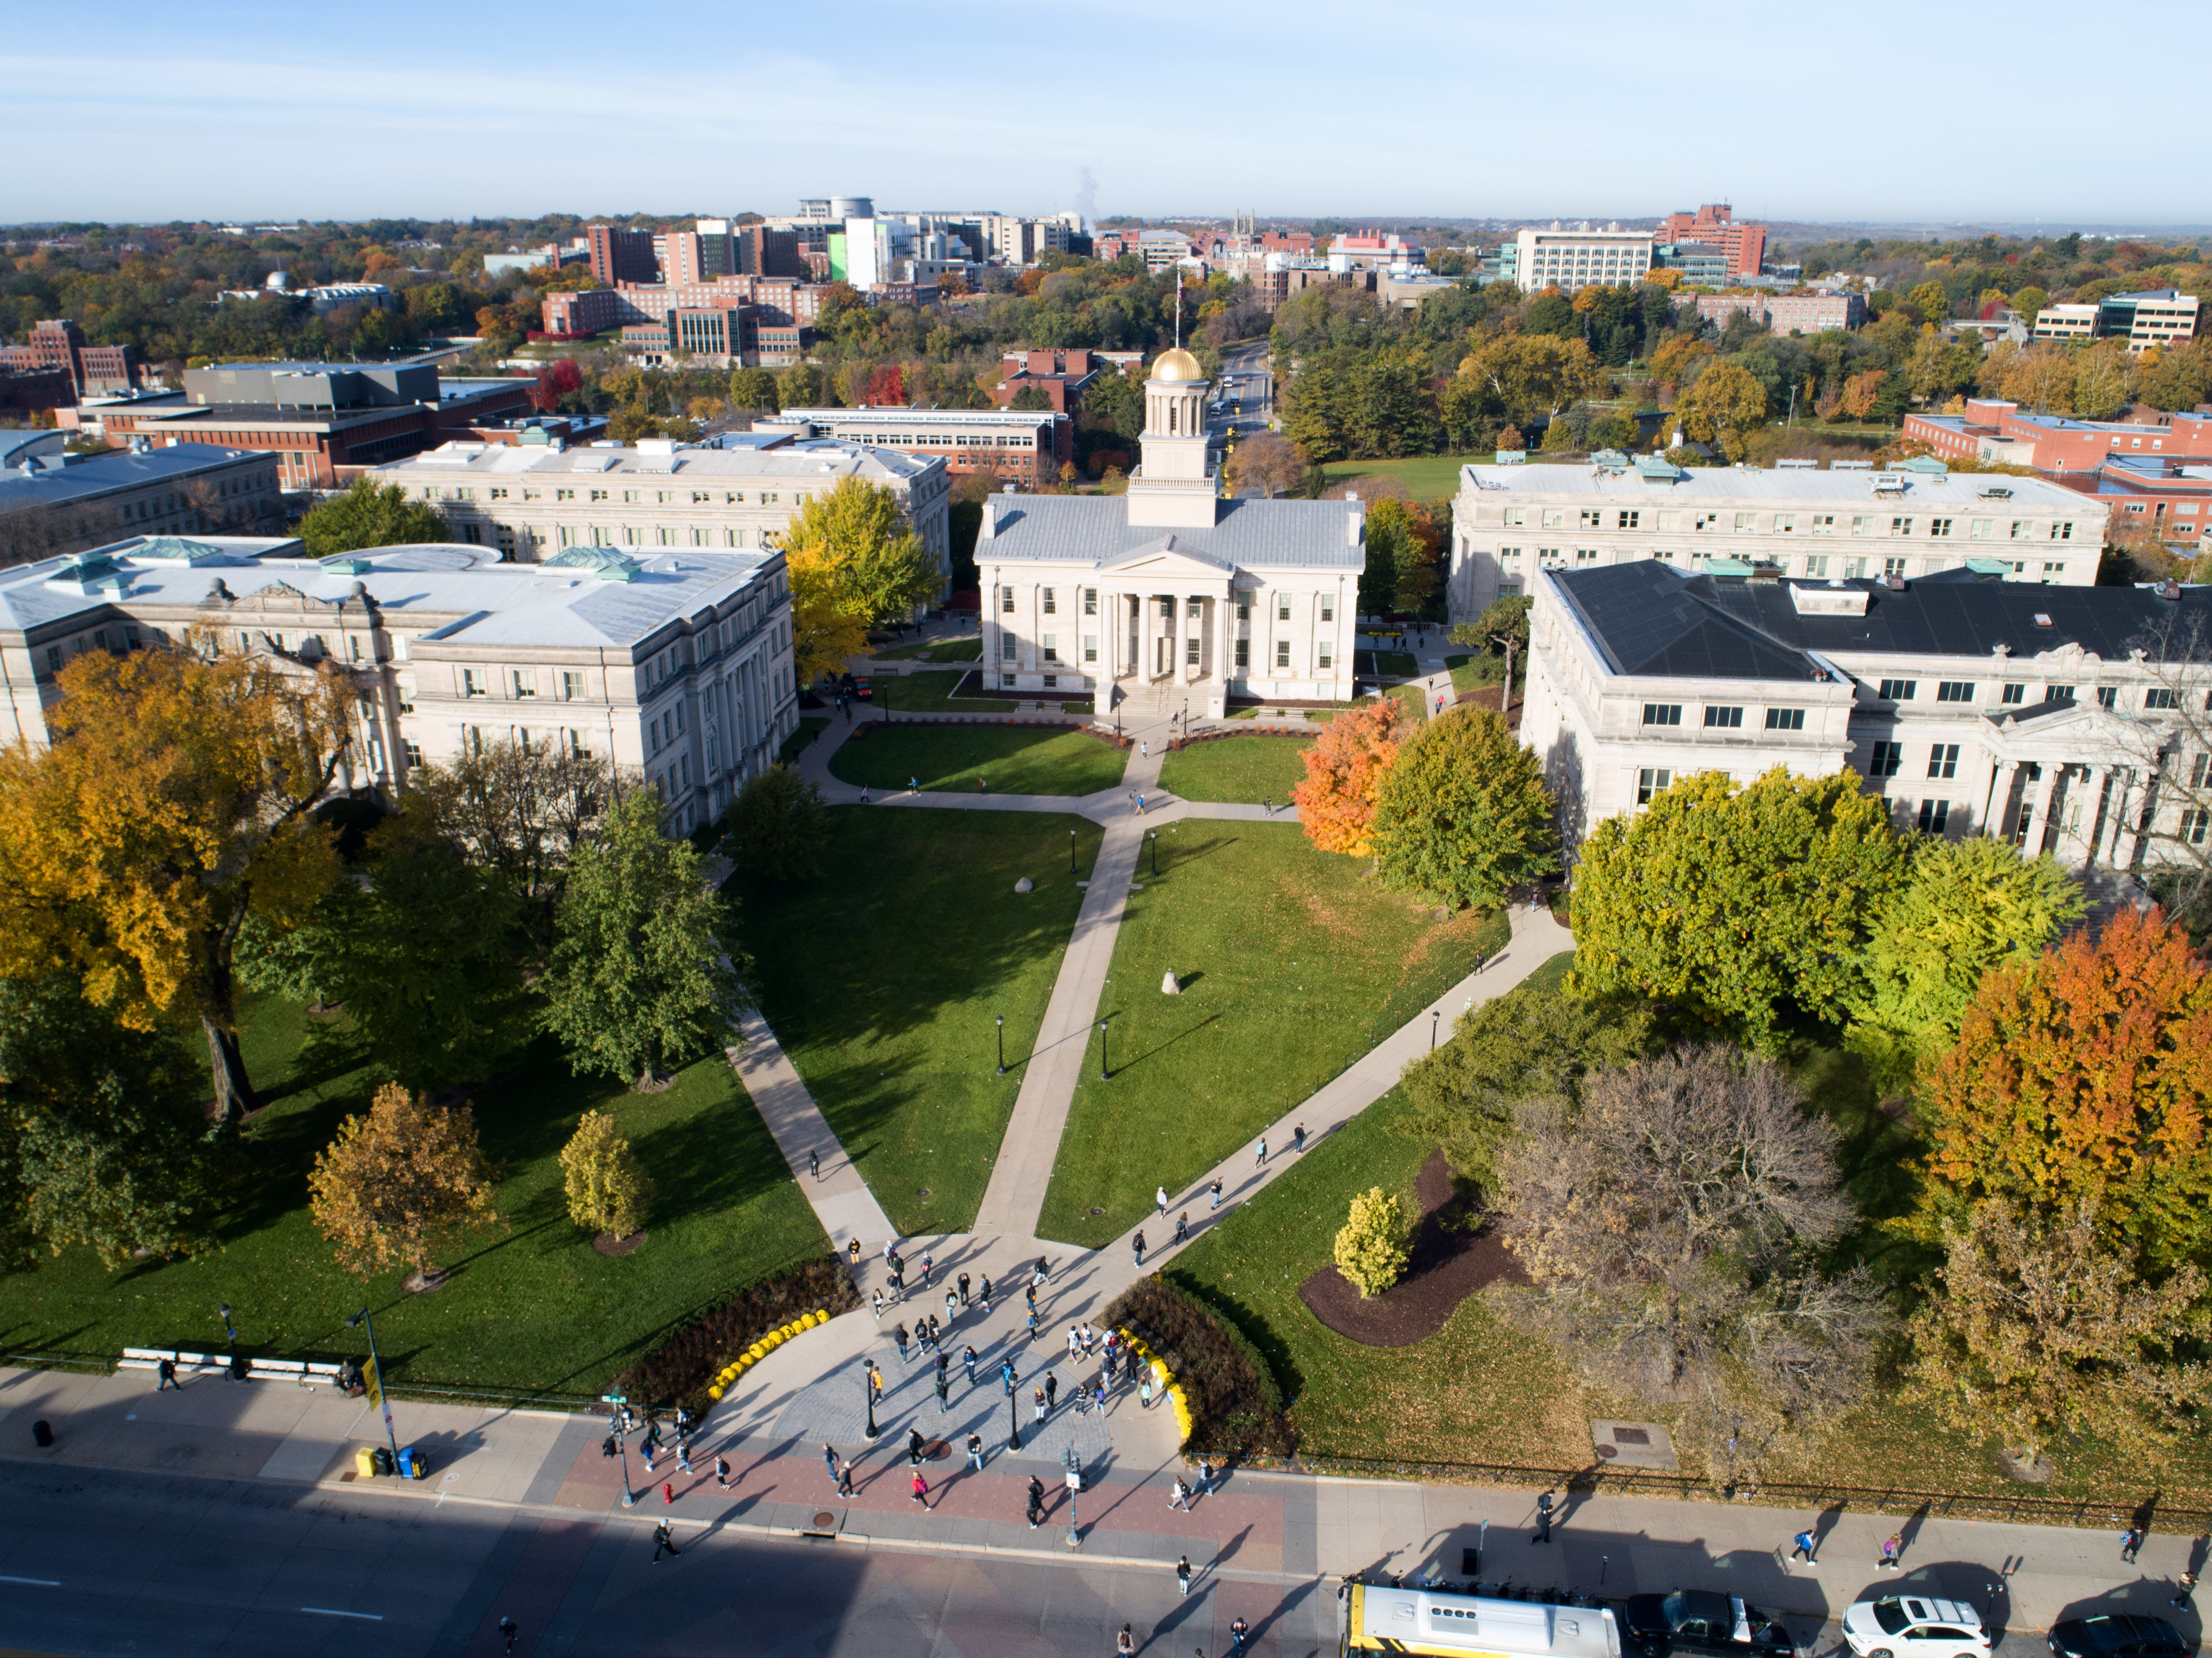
(1170, 594)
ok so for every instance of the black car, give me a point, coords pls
(2118, 1635)
(1702, 1624)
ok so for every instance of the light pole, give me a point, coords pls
(1071, 852)
(1013, 1418)
(1074, 1477)
(1152, 837)
(1002, 1042)
(384, 1399)
(1103, 1074)
(1435, 1018)
(619, 1421)
(868, 1384)
(231, 1369)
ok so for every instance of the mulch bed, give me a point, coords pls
(1448, 1265)
(608, 1244)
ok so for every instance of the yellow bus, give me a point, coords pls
(1374, 1618)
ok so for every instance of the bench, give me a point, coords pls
(303, 1372)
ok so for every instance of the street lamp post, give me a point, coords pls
(1103, 1074)
(1071, 852)
(1152, 836)
(1013, 1419)
(232, 1370)
(868, 1385)
(383, 1397)
(1002, 1042)
(1435, 1018)
(618, 1419)
(1074, 1477)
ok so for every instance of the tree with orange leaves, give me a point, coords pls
(1345, 769)
(172, 802)
(2082, 1075)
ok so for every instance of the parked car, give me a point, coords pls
(2118, 1635)
(1702, 1623)
(1914, 1626)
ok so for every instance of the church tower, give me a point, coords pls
(1173, 486)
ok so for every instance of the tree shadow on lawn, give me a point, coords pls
(1875, 1151)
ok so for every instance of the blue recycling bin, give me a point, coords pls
(413, 1464)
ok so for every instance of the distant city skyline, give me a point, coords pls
(1407, 108)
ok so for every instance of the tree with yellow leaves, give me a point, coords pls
(607, 1190)
(401, 1183)
(1371, 1249)
(825, 630)
(170, 803)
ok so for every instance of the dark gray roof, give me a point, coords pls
(119, 469)
(1650, 618)
(1096, 531)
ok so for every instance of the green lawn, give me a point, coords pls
(1246, 770)
(1392, 664)
(942, 650)
(1426, 477)
(962, 759)
(533, 1309)
(1470, 673)
(881, 978)
(1294, 964)
(810, 726)
(1477, 1390)
(932, 693)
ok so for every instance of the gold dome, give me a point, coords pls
(1177, 365)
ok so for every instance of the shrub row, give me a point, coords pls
(1235, 1407)
(679, 1370)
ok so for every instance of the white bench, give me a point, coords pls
(304, 1372)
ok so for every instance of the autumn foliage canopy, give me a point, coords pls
(1345, 769)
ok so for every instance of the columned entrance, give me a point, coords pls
(1166, 622)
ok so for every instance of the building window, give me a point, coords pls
(1006, 601)
(1824, 524)
(1052, 647)
(1724, 718)
(1190, 651)
(1243, 607)
(1282, 607)
(1007, 646)
(1786, 719)
(1745, 522)
(1051, 681)
(1943, 760)
(2062, 530)
(2053, 571)
(1628, 520)
(1983, 528)
(2013, 693)
(2194, 825)
(572, 685)
(1862, 523)
(1662, 714)
(1933, 815)
(525, 681)
(1328, 607)
(1888, 757)
(1516, 515)
(414, 753)
(472, 683)
(1090, 601)
(1593, 518)
(1954, 690)
(2160, 696)
(1243, 653)
(1282, 652)
(1893, 567)
(1090, 647)
(2058, 693)
(2107, 696)
(1899, 690)
(1051, 605)
(1327, 657)
(1006, 680)
(1649, 781)
(1938, 526)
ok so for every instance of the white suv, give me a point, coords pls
(1915, 1626)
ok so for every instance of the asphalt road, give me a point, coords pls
(99, 1564)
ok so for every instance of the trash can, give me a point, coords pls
(413, 1465)
(364, 1463)
(383, 1460)
(42, 1432)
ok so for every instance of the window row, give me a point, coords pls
(1722, 717)
(1937, 527)
(1193, 607)
(1193, 655)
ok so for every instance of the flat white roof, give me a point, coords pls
(824, 460)
(1714, 484)
(874, 417)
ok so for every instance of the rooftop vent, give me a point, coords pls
(1895, 583)
(2043, 618)
(1994, 492)
(2168, 589)
(1797, 465)
(1850, 466)
(1836, 599)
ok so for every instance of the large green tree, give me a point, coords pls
(1736, 901)
(1463, 813)
(884, 572)
(1965, 908)
(639, 982)
(102, 1130)
(366, 516)
(1725, 403)
(773, 827)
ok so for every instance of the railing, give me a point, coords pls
(2102, 1508)
(511, 1397)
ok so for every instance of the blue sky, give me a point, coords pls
(1889, 112)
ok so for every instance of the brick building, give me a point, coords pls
(58, 503)
(1019, 446)
(622, 256)
(1062, 375)
(1716, 225)
(2160, 317)
(1993, 429)
(1786, 313)
(94, 370)
(752, 320)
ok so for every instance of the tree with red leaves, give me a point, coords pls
(1345, 769)
(554, 381)
(2083, 1075)
(887, 387)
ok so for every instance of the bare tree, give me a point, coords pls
(39, 530)
(1267, 466)
(1672, 1221)
(2163, 798)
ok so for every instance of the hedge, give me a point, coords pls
(1235, 1407)
(680, 1369)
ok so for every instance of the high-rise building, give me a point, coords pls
(1716, 223)
(622, 256)
(1579, 257)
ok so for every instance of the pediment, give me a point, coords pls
(1161, 561)
(283, 597)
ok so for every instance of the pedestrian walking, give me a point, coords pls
(1051, 1391)
(1099, 1403)
(1036, 1406)
(1160, 1197)
(722, 1473)
(952, 1306)
(1138, 1243)
(1182, 1498)
(1182, 1573)
(1008, 1375)
(1140, 805)
(1182, 1226)
(1214, 1191)
(964, 1289)
(1125, 1643)
(1440, 704)
(1267, 806)
(975, 1452)
(1041, 1274)
(509, 1629)
(852, 1252)
(1144, 750)
(928, 1283)
(1890, 1551)
(1144, 1391)
(913, 784)
(167, 1369)
(646, 1447)
(845, 1478)
(683, 1455)
(863, 788)
(984, 1290)
(1261, 1161)
(921, 1490)
(1802, 1548)
(878, 1303)
(1036, 1502)
(1205, 1474)
(898, 1280)
(668, 1491)
(968, 1357)
(2188, 1588)
(1090, 1337)
(1074, 1342)
(899, 1336)
(829, 1459)
(1032, 1322)
(1028, 1294)
(891, 1251)
(875, 1382)
(1239, 1632)
(944, 1393)
(814, 1163)
(663, 1542)
(1544, 1518)
(2132, 1545)
(915, 1445)
(1298, 1136)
